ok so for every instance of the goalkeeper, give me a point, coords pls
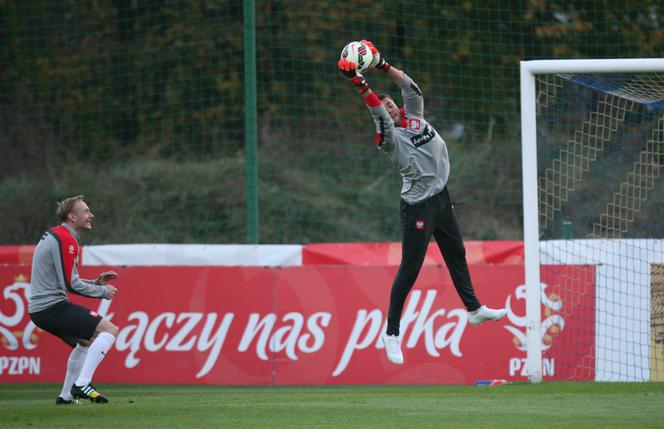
(421, 155)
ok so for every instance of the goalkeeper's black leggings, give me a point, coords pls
(433, 216)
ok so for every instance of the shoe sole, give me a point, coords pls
(488, 320)
(73, 402)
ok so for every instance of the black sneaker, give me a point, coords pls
(61, 401)
(88, 392)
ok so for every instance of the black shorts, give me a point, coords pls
(68, 321)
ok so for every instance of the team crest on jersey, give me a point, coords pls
(71, 249)
(414, 124)
(419, 224)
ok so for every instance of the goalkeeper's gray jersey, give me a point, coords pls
(414, 145)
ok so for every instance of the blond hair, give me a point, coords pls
(66, 206)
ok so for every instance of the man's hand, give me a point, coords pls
(105, 277)
(378, 62)
(110, 291)
(347, 68)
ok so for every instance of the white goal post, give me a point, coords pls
(529, 71)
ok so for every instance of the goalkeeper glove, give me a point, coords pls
(349, 69)
(378, 62)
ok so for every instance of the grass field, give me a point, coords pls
(548, 405)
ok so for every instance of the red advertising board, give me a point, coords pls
(300, 325)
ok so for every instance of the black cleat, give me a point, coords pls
(61, 401)
(88, 392)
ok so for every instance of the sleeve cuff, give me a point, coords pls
(372, 100)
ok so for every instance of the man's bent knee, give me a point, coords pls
(106, 326)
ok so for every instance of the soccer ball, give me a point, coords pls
(358, 53)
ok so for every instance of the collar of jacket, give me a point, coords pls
(403, 119)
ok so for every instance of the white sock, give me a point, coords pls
(96, 353)
(74, 365)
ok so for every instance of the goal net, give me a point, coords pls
(593, 155)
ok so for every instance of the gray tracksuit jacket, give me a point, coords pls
(414, 145)
(55, 272)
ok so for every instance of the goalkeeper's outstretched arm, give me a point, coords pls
(381, 117)
(410, 92)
